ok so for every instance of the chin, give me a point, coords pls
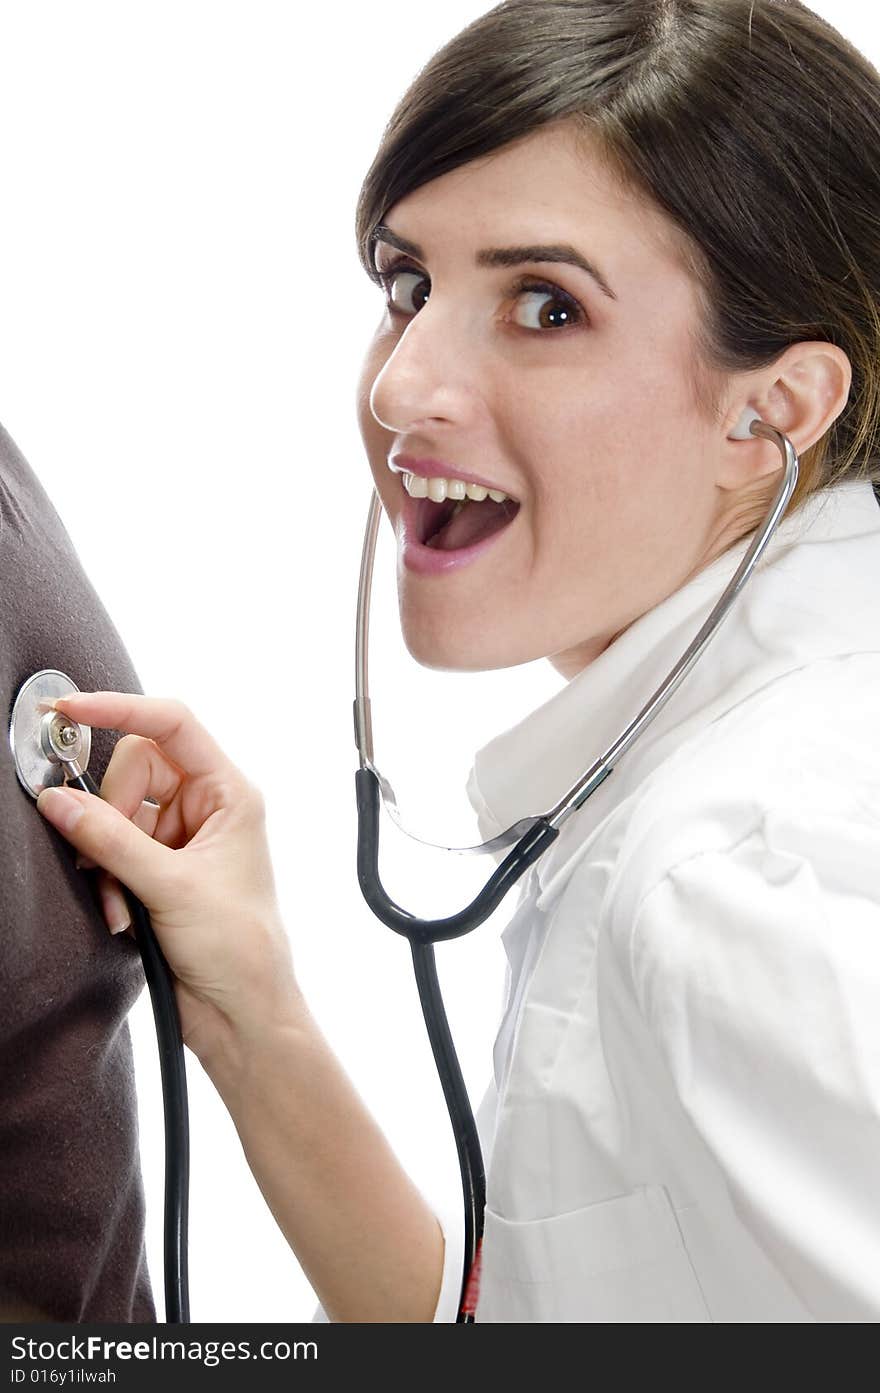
(453, 651)
(442, 656)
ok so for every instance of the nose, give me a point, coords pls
(430, 376)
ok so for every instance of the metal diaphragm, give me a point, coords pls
(46, 743)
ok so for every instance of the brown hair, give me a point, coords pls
(752, 124)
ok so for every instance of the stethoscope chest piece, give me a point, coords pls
(45, 744)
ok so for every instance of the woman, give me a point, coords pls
(609, 235)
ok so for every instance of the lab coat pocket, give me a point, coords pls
(620, 1260)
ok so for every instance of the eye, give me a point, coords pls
(402, 297)
(389, 281)
(565, 313)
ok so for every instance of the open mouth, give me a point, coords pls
(454, 524)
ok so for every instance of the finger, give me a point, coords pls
(169, 722)
(145, 818)
(115, 906)
(138, 768)
(102, 832)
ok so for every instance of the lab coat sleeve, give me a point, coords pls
(446, 1311)
(757, 969)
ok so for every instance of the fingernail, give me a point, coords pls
(115, 909)
(61, 807)
(85, 863)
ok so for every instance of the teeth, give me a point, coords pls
(438, 490)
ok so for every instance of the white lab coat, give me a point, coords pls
(684, 1119)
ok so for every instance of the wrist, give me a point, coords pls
(250, 1041)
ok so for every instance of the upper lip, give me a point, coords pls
(438, 469)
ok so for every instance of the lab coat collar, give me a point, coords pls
(812, 595)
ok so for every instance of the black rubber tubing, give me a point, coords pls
(174, 1097)
(422, 934)
(464, 1128)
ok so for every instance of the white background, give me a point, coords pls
(183, 320)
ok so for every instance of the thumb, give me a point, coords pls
(102, 832)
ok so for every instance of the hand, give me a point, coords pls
(199, 861)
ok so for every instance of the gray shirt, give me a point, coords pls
(71, 1193)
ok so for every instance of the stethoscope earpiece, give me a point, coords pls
(743, 427)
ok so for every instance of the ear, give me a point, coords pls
(802, 395)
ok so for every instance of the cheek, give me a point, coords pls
(576, 449)
(608, 469)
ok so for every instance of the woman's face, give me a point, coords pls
(577, 402)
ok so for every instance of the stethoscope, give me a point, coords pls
(50, 748)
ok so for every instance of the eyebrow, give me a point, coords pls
(504, 256)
